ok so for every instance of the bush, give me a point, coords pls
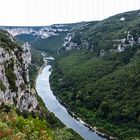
(2, 86)
(11, 77)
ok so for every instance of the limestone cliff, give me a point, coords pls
(14, 76)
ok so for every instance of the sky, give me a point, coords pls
(47, 12)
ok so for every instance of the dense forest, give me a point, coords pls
(98, 76)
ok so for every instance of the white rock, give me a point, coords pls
(122, 19)
(23, 97)
(139, 40)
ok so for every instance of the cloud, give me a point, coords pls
(45, 12)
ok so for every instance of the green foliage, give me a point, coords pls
(36, 62)
(37, 58)
(104, 91)
(13, 126)
(77, 38)
(32, 74)
(50, 44)
(11, 77)
(26, 37)
(2, 86)
(6, 42)
(101, 35)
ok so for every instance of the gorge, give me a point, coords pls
(53, 105)
(96, 75)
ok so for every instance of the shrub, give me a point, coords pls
(2, 86)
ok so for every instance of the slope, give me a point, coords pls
(96, 74)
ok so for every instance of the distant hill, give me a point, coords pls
(43, 38)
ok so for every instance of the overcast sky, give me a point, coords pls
(46, 12)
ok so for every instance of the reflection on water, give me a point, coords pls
(53, 105)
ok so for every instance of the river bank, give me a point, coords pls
(54, 106)
(73, 115)
(94, 129)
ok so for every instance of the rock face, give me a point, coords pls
(39, 32)
(118, 45)
(114, 34)
(14, 76)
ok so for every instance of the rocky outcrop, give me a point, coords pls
(114, 34)
(14, 76)
(39, 32)
(118, 45)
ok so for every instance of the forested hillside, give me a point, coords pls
(97, 74)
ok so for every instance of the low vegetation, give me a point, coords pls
(2, 86)
(15, 127)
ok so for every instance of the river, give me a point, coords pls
(53, 105)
